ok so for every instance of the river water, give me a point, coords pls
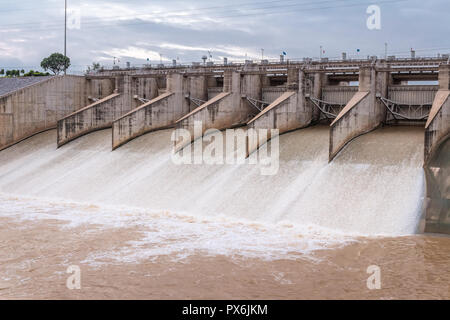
(139, 226)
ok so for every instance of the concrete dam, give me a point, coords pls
(366, 159)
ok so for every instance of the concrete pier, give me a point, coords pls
(161, 112)
(129, 93)
(291, 110)
(437, 158)
(438, 124)
(228, 109)
(98, 115)
(363, 113)
(36, 108)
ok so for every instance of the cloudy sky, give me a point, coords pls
(137, 30)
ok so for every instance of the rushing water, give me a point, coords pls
(145, 208)
(374, 187)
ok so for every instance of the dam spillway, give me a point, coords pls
(375, 186)
(339, 126)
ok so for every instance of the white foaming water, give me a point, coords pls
(374, 187)
(177, 236)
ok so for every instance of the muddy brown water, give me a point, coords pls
(139, 227)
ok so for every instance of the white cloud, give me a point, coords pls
(134, 52)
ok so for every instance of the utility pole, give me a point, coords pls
(385, 50)
(320, 56)
(262, 53)
(65, 32)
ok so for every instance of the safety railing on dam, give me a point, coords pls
(275, 63)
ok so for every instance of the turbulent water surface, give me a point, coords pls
(134, 214)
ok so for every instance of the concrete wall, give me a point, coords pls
(198, 89)
(437, 172)
(227, 109)
(161, 112)
(144, 88)
(270, 94)
(438, 124)
(290, 110)
(283, 114)
(214, 91)
(437, 158)
(363, 113)
(37, 108)
(98, 115)
(338, 94)
(99, 88)
(437, 127)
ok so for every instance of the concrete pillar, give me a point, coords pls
(98, 115)
(145, 88)
(198, 89)
(227, 80)
(364, 112)
(251, 86)
(37, 108)
(438, 125)
(444, 77)
(159, 113)
(437, 158)
(289, 112)
(211, 82)
(265, 81)
(311, 86)
(292, 78)
(178, 85)
(320, 80)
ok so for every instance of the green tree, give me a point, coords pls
(95, 67)
(33, 73)
(2, 72)
(56, 63)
